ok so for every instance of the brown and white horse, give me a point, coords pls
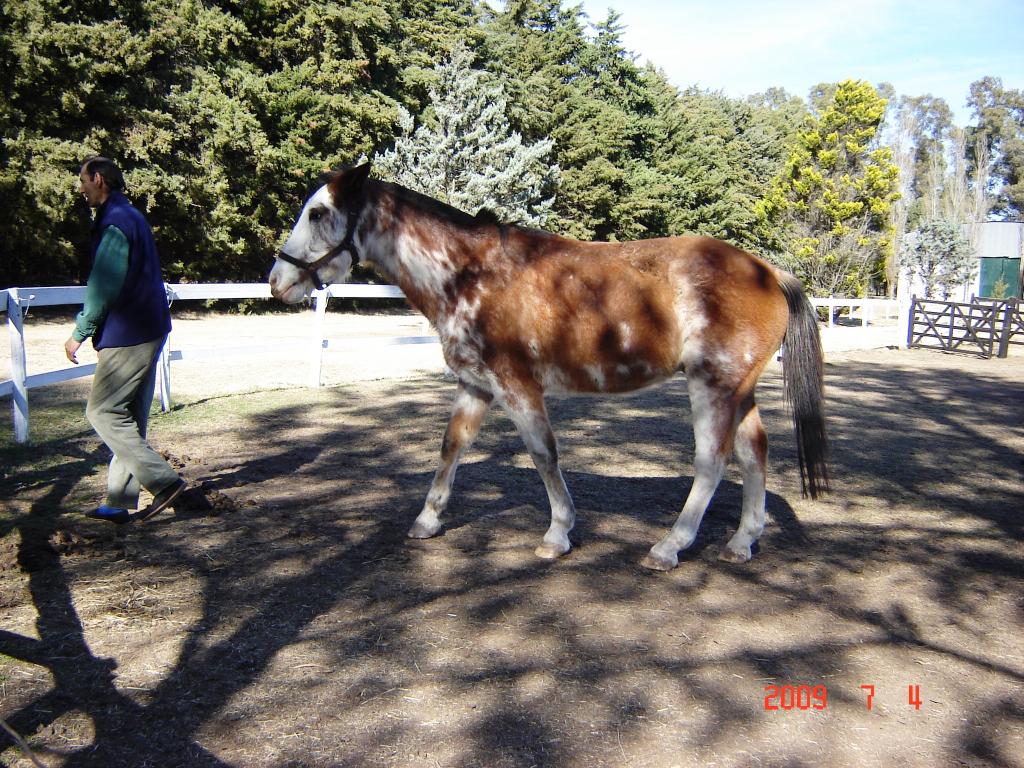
(521, 313)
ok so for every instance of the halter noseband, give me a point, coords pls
(311, 268)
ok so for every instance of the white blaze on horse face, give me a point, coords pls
(319, 228)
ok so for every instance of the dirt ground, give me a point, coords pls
(279, 616)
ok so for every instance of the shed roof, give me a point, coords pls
(1000, 239)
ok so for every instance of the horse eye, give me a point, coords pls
(315, 214)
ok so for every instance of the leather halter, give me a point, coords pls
(312, 268)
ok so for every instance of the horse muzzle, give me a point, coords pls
(284, 288)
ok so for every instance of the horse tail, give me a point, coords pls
(803, 378)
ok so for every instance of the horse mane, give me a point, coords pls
(434, 207)
(488, 216)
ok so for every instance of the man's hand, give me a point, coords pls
(71, 349)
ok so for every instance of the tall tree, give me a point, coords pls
(833, 198)
(903, 141)
(1000, 115)
(534, 47)
(465, 153)
(932, 122)
(429, 31)
(600, 134)
(590, 97)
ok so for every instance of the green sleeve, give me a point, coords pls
(105, 282)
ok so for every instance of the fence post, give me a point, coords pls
(19, 369)
(1004, 336)
(907, 321)
(163, 372)
(320, 298)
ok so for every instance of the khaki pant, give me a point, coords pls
(118, 409)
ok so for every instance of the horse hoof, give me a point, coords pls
(421, 531)
(732, 556)
(549, 551)
(655, 563)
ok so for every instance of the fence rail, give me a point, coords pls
(870, 308)
(16, 301)
(984, 326)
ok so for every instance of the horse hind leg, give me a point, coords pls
(713, 427)
(468, 414)
(751, 446)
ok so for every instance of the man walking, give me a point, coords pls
(127, 316)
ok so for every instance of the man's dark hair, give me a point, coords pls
(107, 169)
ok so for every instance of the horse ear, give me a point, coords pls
(349, 184)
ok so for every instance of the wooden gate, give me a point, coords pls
(985, 326)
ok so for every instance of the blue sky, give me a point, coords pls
(745, 46)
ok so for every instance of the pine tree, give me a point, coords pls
(220, 113)
(464, 152)
(719, 157)
(833, 198)
(939, 253)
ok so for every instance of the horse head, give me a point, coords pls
(321, 248)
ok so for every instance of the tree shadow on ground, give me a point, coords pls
(321, 636)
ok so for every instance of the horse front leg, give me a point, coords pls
(468, 414)
(526, 409)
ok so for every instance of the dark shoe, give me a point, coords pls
(118, 515)
(162, 500)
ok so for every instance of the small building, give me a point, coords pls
(1000, 247)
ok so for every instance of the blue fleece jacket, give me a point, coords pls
(138, 312)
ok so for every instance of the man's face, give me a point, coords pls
(93, 188)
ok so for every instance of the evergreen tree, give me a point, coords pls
(76, 78)
(221, 115)
(429, 30)
(1000, 115)
(719, 157)
(610, 117)
(539, 49)
(533, 47)
(938, 252)
(464, 152)
(597, 105)
(832, 200)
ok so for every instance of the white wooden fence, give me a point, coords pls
(870, 309)
(16, 301)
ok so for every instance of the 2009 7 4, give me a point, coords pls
(789, 697)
